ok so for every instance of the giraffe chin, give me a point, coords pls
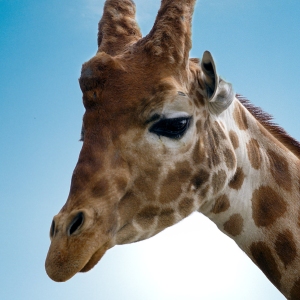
(95, 258)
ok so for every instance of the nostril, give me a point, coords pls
(52, 229)
(76, 223)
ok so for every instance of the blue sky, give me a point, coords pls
(42, 46)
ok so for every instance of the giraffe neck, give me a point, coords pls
(260, 207)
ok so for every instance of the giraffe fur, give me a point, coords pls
(164, 136)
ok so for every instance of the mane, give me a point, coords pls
(266, 120)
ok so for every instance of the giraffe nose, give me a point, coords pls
(73, 226)
(52, 229)
(76, 223)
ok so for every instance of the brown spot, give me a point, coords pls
(222, 204)
(229, 159)
(198, 153)
(204, 191)
(240, 117)
(146, 216)
(121, 183)
(219, 130)
(285, 247)
(234, 139)
(200, 99)
(267, 206)
(280, 170)
(116, 160)
(199, 179)
(234, 225)
(254, 154)
(237, 181)
(128, 206)
(216, 137)
(193, 87)
(126, 235)
(199, 126)
(218, 181)
(144, 184)
(186, 207)
(213, 141)
(166, 218)
(295, 292)
(215, 158)
(264, 259)
(100, 189)
(172, 185)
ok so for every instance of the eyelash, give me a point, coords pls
(172, 128)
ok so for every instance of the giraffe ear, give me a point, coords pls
(218, 93)
(117, 27)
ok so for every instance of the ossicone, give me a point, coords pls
(117, 27)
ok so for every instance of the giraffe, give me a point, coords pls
(164, 136)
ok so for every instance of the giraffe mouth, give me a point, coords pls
(95, 258)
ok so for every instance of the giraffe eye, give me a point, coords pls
(171, 128)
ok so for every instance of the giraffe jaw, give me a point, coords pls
(95, 258)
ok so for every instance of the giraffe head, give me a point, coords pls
(149, 151)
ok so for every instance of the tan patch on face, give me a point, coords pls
(280, 170)
(237, 180)
(186, 207)
(172, 185)
(240, 117)
(166, 218)
(145, 218)
(285, 247)
(234, 139)
(267, 206)
(234, 226)
(254, 154)
(295, 292)
(229, 159)
(222, 204)
(199, 179)
(264, 259)
(218, 181)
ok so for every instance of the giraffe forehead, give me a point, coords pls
(129, 80)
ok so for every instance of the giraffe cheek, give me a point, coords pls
(126, 235)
